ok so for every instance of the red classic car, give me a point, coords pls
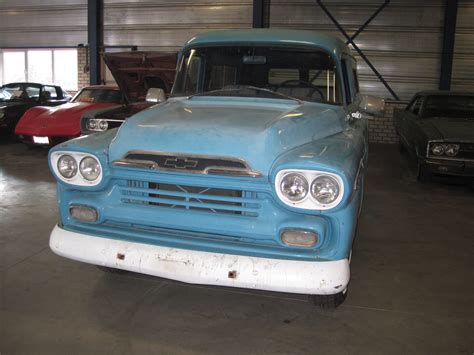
(51, 125)
(135, 73)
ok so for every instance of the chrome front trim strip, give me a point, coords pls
(210, 170)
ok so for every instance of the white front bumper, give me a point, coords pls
(197, 267)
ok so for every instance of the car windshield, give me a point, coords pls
(270, 72)
(449, 106)
(98, 95)
(4, 94)
(19, 92)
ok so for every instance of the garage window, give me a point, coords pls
(58, 66)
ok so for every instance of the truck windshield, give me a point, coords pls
(270, 72)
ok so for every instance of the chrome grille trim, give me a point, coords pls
(136, 163)
(207, 199)
(189, 163)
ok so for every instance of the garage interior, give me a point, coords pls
(411, 289)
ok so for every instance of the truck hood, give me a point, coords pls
(255, 130)
(63, 120)
(452, 129)
(135, 72)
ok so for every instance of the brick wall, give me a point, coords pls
(82, 68)
(381, 129)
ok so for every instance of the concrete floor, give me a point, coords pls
(412, 288)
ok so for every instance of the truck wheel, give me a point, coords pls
(329, 301)
(423, 174)
(111, 270)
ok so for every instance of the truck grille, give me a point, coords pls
(205, 199)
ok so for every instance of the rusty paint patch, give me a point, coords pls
(232, 274)
(120, 256)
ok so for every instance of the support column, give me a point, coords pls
(449, 35)
(95, 33)
(261, 12)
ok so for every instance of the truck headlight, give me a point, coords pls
(294, 187)
(89, 168)
(76, 168)
(325, 189)
(309, 189)
(67, 166)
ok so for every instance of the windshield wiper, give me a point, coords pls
(243, 87)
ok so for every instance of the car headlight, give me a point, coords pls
(91, 125)
(294, 187)
(437, 149)
(102, 125)
(309, 189)
(97, 125)
(325, 189)
(451, 150)
(67, 166)
(89, 168)
(448, 149)
(76, 168)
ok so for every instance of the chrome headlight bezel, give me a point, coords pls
(97, 125)
(78, 179)
(445, 150)
(309, 202)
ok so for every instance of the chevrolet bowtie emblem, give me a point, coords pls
(180, 163)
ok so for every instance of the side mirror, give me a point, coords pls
(156, 95)
(372, 105)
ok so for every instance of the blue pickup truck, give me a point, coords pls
(250, 175)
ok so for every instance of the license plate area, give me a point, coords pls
(40, 140)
